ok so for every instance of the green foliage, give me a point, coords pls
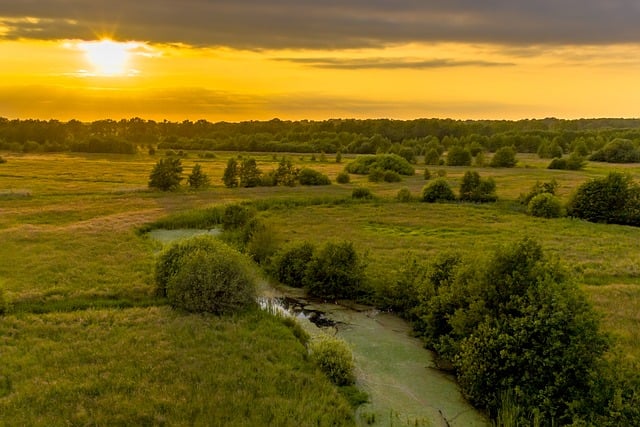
(198, 179)
(166, 174)
(573, 162)
(375, 175)
(343, 178)
(289, 266)
(249, 173)
(438, 191)
(475, 189)
(213, 280)
(545, 205)
(539, 188)
(550, 150)
(404, 195)
(479, 159)
(336, 271)
(514, 324)
(231, 174)
(286, 174)
(614, 199)
(363, 165)
(432, 157)
(361, 193)
(236, 216)
(338, 157)
(4, 303)
(402, 293)
(458, 156)
(171, 259)
(618, 151)
(505, 157)
(427, 174)
(334, 358)
(313, 177)
(260, 241)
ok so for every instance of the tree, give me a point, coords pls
(198, 179)
(438, 191)
(286, 174)
(230, 177)
(249, 173)
(476, 189)
(335, 271)
(166, 174)
(505, 157)
(458, 156)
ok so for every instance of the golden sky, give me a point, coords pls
(246, 60)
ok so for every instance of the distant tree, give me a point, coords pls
(166, 174)
(432, 157)
(437, 191)
(198, 179)
(338, 157)
(476, 189)
(231, 177)
(458, 156)
(505, 157)
(249, 173)
(286, 174)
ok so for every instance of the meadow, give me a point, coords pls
(86, 340)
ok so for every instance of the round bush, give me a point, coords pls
(343, 178)
(215, 281)
(308, 176)
(458, 156)
(236, 216)
(334, 358)
(335, 272)
(504, 157)
(545, 205)
(437, 191)
(392, 176)
(361, 193)
(290, 264)
(404, 195)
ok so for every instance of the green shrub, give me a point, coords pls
(614, 199)
(236, 216)
(260, 241)
(427, 174)
(336, 271)
(545, 205)
(343, 178)
(334, 358)
(618, 151)
(539, 188)
(290, 264)
(392, 176)
(375, 175)
(308, 176)
(432, 157)
(437, 191)
(198, 179)
(504, 157)
(549, 150)
(231, 174)
(573, 162)
(404, 195)
(172, 258)
(216, 280)
(361, 193)
(475, 189)
(166, 174)
(441, 173)
(363, 165)
(458, 156)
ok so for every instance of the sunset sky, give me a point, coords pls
(317, 59)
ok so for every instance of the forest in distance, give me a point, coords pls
(330, 136)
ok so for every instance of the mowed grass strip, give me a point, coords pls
(155, 366)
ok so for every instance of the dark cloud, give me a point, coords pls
(257, 24)
(390, 63)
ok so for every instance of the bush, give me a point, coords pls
(539, 188)
(545, 205)
(549, 150)
(361, 193)
(504, 157)
(198, 179)
(216, 280)
(432, 157)
(437, 191)
(458, 156)
(573, 162)
(335, 272)
(618, 151)
(476, 189)
(236, 216)
(614, 199)
(427, 174)
(166, 174)
(260, 241)
(312, 177)
(392, 176)
(334, 358)
(172, 258)
(231, 174)
(363, 165)
(376, 175)
(404, 195)
(290, 264)
(343, 178)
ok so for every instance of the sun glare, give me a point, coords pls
(108, 57)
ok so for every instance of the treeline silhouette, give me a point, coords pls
(329, 136)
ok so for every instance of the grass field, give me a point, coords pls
(87, 342)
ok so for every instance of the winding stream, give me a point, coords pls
(400, 376)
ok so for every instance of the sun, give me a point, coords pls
(108, 57)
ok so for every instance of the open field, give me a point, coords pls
(86, 328)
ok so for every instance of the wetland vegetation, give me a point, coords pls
(86, 337)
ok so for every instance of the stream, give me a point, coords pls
(404, 385)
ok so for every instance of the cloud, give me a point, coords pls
(390, 63)
(326, 24)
